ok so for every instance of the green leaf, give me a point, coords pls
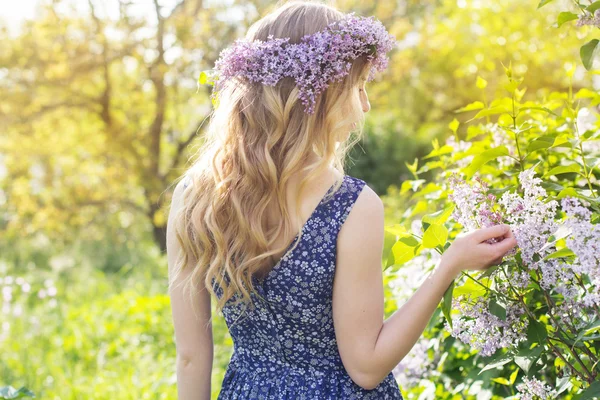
(484, 158)
(404, 249)
(435, 235)
(564, 169)
(567, 192)
(445, 149)
(9, 392)
(471, 288)
(481, 83)
(498, 363)
(563, 384)
(593, 326)
(502, 381)
(543, 3)
(490, 111)
(587, 53)
(565, 16)
(454, 125)
(397, 230)
(207, 77)
(513, 376)
(564, 252)
(540, 143)
(593, 7)
(476, 105)
(439, 217)
(497, 309)
(527, 357)
(447, 303)
(593, 391)
(536, 331)
(562, 232)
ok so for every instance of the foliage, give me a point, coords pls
(520, 314)
(585, 14)
(91, 335)
(9, 392)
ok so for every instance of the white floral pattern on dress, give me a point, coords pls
(286, 348)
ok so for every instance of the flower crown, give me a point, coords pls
(316, 61)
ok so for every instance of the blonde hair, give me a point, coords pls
(258, 138)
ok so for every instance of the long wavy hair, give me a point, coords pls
(259, 137)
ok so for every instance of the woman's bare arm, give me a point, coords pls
(193, 336)
(369, 346)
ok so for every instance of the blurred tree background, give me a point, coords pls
(99, 114)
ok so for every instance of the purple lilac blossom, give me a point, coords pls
(531, 219)
(482, 330)
(475, 207)
(316, 61)
(534, 389)
(584, 241)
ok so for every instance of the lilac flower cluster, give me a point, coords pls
(316, 61)
(534, 389)
(584, 241)
(479, 328)
(589, 19)
(530, 218)
(417, 365)
(475, 207)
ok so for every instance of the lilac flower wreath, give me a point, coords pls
(316, 61)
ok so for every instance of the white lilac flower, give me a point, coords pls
(479, 328)
(584, 240)
(531, 219)
(460, 146)
(534, 389)
(416, 365)
(500, 137)
(475, 208)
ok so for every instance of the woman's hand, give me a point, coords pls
(470, 251)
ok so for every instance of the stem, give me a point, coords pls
(585, 170)
(514, 118)
(590, 374)
(488, 289)
(559, 354)
(548, 339)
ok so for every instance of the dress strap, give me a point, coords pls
(347, 198)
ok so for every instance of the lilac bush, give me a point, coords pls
(531, 323)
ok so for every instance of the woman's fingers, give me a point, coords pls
(495, 231)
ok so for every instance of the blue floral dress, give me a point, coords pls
(285, 348)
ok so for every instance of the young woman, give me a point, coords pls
(302, 296)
